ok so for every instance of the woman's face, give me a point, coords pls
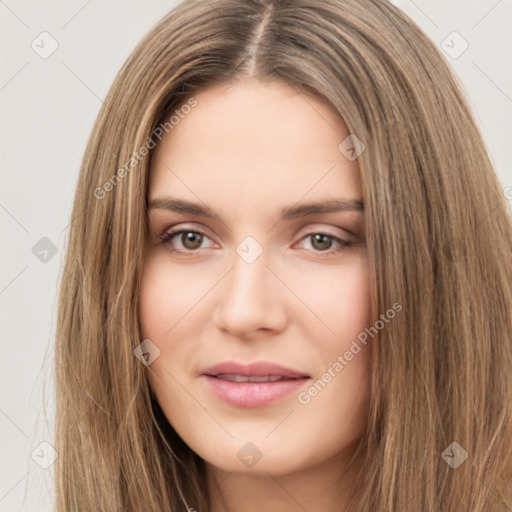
(256, 274)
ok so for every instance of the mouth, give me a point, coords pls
(254, 385)
(246, 378)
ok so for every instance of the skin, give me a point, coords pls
(246, 151)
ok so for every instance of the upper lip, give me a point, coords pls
(257, 369)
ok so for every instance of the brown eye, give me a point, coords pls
(183, 240)
(324, 242)
(191, 239)
(321, 241)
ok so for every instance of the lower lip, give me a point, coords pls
(253, 394)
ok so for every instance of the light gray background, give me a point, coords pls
(48, 109)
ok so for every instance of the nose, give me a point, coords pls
(251, 300)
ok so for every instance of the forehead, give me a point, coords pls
(257, 144)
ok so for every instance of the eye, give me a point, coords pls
(189, 239)
(323, 242)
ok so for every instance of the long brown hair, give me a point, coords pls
(439, 241)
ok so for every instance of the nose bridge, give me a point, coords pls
(250, 297)
(249, 280)
(249, 275)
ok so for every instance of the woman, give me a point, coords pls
(288, 281)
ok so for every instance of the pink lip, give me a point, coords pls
(258, 369)
(253, 394)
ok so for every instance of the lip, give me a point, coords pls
(257, 369)
(253, 394)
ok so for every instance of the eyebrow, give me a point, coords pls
(291, 212)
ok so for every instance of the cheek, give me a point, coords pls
(167, 297)
(152, 299)
(350, 300)
(340, 300)
(173, 316)
(163, 320)
(344, 361)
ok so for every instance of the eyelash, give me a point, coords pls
(168, 236)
